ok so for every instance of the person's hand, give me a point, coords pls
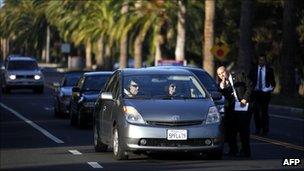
(243, 102)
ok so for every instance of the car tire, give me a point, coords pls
(98, 145)
(80, 120)
(6, 90)
(56, 109)
(118, 150)
(215, 155)
(73, 120)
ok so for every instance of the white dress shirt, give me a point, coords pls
(264, 88)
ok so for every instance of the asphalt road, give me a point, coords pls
(33, 139)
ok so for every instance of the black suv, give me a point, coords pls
(84, 96)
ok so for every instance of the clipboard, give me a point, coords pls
(238, 107)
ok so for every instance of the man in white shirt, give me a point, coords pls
(262, 77)
(237, 90)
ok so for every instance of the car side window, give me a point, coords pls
(115, 90)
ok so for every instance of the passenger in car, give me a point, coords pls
(171, 89)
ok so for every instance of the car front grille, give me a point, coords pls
(157, 142)
(25, 76)
(176, 123)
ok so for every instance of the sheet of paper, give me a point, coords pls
(238, 107)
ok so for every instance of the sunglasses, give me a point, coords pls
(134, 85)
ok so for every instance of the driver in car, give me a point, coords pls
(132, 89)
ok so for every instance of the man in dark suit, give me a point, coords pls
(237, 90)
(262, 77)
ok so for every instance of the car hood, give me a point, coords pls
(67, 91)
(167, 110)
(90, 95)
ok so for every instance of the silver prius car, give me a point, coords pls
(153, 110)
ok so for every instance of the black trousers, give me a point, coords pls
(237, 123)
(261, 116)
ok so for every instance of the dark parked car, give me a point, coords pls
(84, 96)
(22, 73)
(152, 110)
(63, 93)
(209, 83)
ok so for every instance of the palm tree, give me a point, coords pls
(287, 76)
(245, 45)
(123, 57)
(181, 32)
(208, 63)
(19, 20)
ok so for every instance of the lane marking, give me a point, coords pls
(286, 117)
(33, 124)
(75, 152)
(95, 165)
(276, 142)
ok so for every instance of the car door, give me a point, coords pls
(108, 108)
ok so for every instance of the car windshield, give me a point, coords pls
(22, 65)
(163, 87)
(71, 80)
(94, 82)
(206, 80)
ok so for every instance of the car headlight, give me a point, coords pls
(221, 108)
(213, 116)
(12, 77)
(37, 77)
(132, 115)
(89, 104)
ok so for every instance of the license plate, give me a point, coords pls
(176, 134)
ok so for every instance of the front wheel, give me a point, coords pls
(118, 150)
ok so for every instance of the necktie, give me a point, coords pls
(260, 79)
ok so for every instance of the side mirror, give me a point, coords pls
(216, 95)
(106, 96)
(56, 84)
(76, 89)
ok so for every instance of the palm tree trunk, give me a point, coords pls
(246, 48)
(108, 60)
(4, 47)
(181, 32)
(158, 55)
(100, 52)
(48, 39)
(208, 63)
(287, 76)
(88, 50)
(138, 51)
(123, 57)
